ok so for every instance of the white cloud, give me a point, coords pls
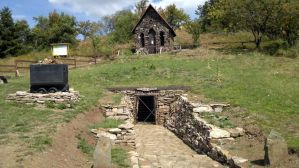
(185, 4)
(93, 7)
(18, 17)
(99, 8)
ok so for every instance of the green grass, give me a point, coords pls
(116, 99)
(267, 87)
(107, 123)
(84, 146)
(40, 142)
(220, 121)
(19, 118)
(119, 157)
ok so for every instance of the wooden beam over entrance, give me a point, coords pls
(149, 89)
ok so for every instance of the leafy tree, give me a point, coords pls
(89, 29)
(288, 22)
(108, 24)
(41, 32)
(122, 24)
(254, 15)
(194, 28)
(203, 11)
(141, 6)
(62, 28)
(174, 16)
(7, 35)
(24, 37)
(56, 28)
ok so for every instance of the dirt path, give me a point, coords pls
(64, 153)
(159, 147)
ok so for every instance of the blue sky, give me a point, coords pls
(85, 9)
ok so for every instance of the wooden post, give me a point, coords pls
(17, 74)
(75, 61)
(95, 60)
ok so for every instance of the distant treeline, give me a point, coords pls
(16, 37)
(274, 19)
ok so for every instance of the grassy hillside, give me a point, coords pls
(223, 69)
(268, 87)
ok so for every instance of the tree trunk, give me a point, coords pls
(258, 42)
(257, 38)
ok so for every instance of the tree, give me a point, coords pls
(194, 28)
(24, 37)
(62, 28)
(56, 28)
(174, 16)
(141, 6)
(202, 12)
(7, 35)
(41, 32)
(289, 24)
(89, 29)
(108, 24)
(254, 15)
(122, 23)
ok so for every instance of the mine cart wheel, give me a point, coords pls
(52, 90)
(65, 88)
(42, 90)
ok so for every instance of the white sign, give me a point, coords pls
(60, 50)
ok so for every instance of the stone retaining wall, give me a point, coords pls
(37, 98)
(123, 135)
(197, 133)
(163, 99)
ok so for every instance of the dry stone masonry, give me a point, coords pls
(40, 99)
(174, 111)
(152, 33)
(199, 135)
(123, 135)
(162, 97)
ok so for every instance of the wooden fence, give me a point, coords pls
(24, 65)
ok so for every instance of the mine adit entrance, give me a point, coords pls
(146, 109)
(150, 105)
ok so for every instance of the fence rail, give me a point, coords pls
(7, 70)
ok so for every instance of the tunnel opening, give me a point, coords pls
(146, 109)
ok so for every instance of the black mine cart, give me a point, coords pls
(48, 78)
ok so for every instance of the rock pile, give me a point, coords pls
(50, 61)
(37, 98)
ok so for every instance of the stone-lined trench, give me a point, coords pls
(169, 107)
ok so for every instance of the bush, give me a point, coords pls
(290, 53)
(272, 48)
